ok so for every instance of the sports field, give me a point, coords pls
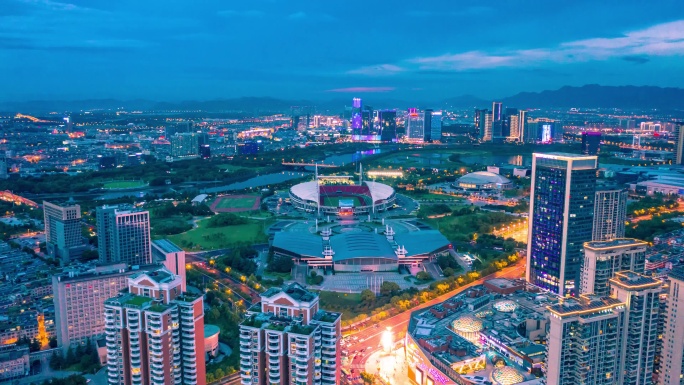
(123, 184)
(335, 201)
(236, 203)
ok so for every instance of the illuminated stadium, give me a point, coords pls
(339, 195)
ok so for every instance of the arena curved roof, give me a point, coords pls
(379, 191)
(483, 177)
(307, 191)
(361, 245)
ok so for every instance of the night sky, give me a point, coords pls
(328, 49)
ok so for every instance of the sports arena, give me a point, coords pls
(340, 196)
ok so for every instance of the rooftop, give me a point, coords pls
(293, 290)
(631, 280)
(585, 304)
(167, 246)
(620, 242)
(210, 330)
(677, 273)
(483, 177)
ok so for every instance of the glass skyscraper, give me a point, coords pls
(561, 217)
(388, 125)
(356, 117)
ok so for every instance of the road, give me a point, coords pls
(369, 339)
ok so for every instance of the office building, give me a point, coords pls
(366, 121)
(479, 122)
(185, 144)
(357, 117)
(14, 363)
(123, 235)
(488, 134)
(63, 239)
(204, 151)
(435, 126)
(584, 341)
(178, 128)
(415, 126)
(509, 118)
(155, 332)
(610, 214)
(522, 126)
(388, 125)
(171, 256)
(79, 296)
(287, 339)
(641, 296)
(603, 259)
(560, 220)
(591, 143)
(513, 128)
(672, 355)
(497, 111)
(678, 135)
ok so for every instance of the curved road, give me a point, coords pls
(369, 339)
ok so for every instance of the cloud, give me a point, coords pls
(241, 13)
(377, 70)
(361, 89)
(311, 17)
(665, 39)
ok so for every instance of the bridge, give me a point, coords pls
(320, 165)
(16, 199)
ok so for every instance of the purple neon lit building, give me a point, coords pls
(357, 117)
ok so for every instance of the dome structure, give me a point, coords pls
(467, 324)
(468, 327)
(483, 180)
(505, 306)
(506, 376)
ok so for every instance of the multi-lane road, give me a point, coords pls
(368, 340)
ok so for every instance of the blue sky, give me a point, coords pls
(324, 49)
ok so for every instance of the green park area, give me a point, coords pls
(222, 231)
(118, 184)
(241, 202)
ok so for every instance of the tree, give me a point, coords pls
(389, 288)
(56, 361)
(313, 274)
(423, 276)
(34, 346)
(368, 378)
(367, 296)
(448, 272)
(53, 342)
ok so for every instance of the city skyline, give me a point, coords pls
(76, 49)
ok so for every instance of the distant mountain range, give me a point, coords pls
(588, 96)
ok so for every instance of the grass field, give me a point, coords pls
(236, 202)
(344, 302)
(335, 201)
(210, 238)
(123, 184)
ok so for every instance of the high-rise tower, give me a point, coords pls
(560, 220)
(610, 214)
(123, 235)
(63, 230)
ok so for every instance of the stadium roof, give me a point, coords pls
(307, 191)
(357, 245)
(306, 245)
(483, 177)
(421, 242)
(379, 191)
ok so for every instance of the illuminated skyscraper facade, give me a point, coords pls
(560, 220)
(357, 117)
(415, 126)
(123, 235)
